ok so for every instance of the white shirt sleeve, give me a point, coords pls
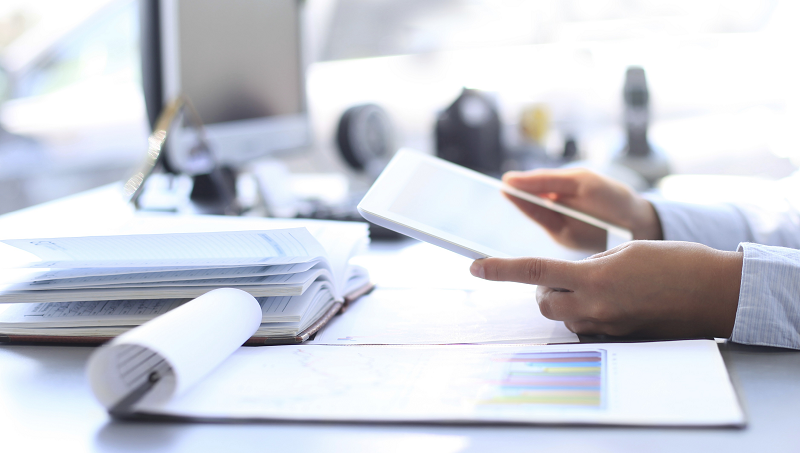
(720, 226)
(769, 297)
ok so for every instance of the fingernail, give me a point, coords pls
(477, 270)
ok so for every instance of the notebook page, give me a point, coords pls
(279, 279)
(196, 249)
(322, 302)
(341, 240)
(315, 306)
(136, 312)
(89, 276)
(177, 349)
(145, 292)
(81, 331)
(281, 309)
(90, 313)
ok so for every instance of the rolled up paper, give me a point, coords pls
(167, 355)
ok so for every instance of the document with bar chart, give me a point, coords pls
(677, 383)
(569, 379)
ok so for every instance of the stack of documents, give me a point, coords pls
(98, 287)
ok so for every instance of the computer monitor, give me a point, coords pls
(241, 64)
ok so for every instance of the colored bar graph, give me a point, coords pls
(573, 379)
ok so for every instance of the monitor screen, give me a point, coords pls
(240, 63)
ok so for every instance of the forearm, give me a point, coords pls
(723, 276)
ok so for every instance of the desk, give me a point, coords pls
(46, 405)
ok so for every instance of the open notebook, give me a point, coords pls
(89, 289)
(151, 373)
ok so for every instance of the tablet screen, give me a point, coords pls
(475, 210)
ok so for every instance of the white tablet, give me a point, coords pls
(464, 211)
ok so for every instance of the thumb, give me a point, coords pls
(535, 271)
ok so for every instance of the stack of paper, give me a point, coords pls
(101, 286)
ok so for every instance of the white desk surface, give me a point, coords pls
(46, 404)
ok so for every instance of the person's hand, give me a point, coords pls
(587, 192)
(658, 289)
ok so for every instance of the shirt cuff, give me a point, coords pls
(769, 297)
(720, 226)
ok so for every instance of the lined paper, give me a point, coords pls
(87, 313)
(165, 292)
(65, 278)
(117, 313)
(198, 249)
(210, 280)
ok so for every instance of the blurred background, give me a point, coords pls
(722, 96)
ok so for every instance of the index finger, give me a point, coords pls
(535, 271)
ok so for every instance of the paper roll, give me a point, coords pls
(167, 355)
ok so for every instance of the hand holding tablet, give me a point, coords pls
(466, 212)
